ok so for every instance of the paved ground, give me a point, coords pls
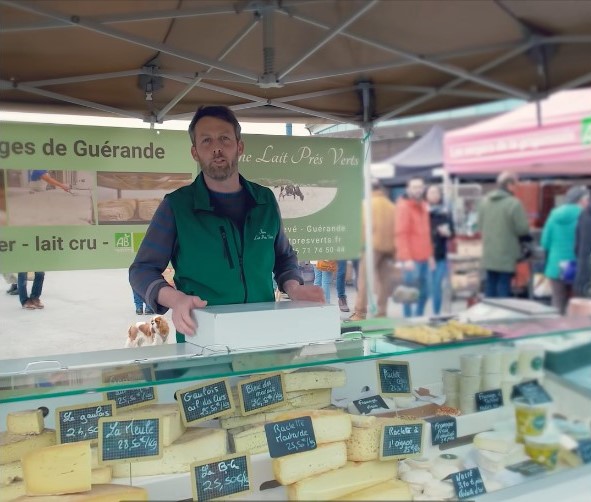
(84, 311)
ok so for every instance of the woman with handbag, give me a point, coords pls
(323, 272)
(558, 241)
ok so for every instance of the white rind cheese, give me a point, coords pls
(11, 472)
(393, 489)
(314, 378)
(497, 441)
(98, 493)
(25, 422)
(57, 470)
(198, 443)
(170, 419)
(493, 461)
(353, 476)
(14, 446)
(292, 468)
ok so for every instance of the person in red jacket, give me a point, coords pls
(414, 250)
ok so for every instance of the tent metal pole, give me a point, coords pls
(367, 253)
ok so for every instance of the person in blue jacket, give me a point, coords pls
(558, 241)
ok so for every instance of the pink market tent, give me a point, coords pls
(561, 144)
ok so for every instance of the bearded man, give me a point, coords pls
(222, 234)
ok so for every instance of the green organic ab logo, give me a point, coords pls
(123, 240)
(586, 131)
(536, 363)
(513, 368)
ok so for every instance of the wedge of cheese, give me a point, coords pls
(236, 421)
(98, 493)
(314, 378)
(497, 441)
(25, 422)
(198, 443)
(493, 461)
(329, 425)
(292, 468)
(248, 439)
(59, 469)
(170, 419)
(14, 446)
(12, 491)
(11, 472)
(353, 476)
(364, 443)
(393, 489)
(101, 475)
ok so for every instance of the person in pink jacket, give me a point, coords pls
(414, 250)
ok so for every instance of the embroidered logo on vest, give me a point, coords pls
(262, 236)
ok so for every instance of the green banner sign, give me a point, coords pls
(119, 176)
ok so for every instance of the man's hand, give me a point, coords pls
(305, 292)
(182, 306)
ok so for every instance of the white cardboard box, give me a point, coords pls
(266, 324)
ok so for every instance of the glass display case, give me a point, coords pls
(136, 379)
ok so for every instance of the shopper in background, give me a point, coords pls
(503, 225)
(558, 241)
(341, 286)
(11, 280)
(413, 244)
(34, 301)
(139, 305)
(383, 214)
(323, 273)
(442, 229)
(222, 234)
(582, 284)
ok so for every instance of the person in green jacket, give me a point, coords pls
(222, 234)
(558, 241)
(503, 225)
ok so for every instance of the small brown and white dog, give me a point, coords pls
(153, 332)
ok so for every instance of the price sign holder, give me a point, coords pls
(401, 440)
(131, 398)
(489, 399)
(468, 483)
(80, 423)
(221, 477)
(290, 436)
(528, 468)
(261, 393)
(124, 441)
(205, 401)
(366, 404)
(443, 429)
(394, 377)
(532, 392)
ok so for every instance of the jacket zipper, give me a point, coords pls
(227, 254)
(240, 259)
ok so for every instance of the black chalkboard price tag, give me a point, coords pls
(401, 440)
(489, 399)
(130, 398)
(584, 450)
(80, 423)
(205, 402)
(221, 477)
(468, 483)
(443, 429)
(366, 404)
(261, 393)
(394, 378)
(528, 468)
(290, 436)
(126, 440)
(532, 392)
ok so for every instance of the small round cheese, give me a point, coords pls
(442, 490)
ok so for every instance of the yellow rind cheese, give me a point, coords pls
(393, 489)
(314, 378)
(14, 446)
(101, 475)
(25, 422)
(11, 472)
(353, 476)
(98, 493)
(12, 491)
(292, 468)
(198, 443)
(57, 470)
(170, 419)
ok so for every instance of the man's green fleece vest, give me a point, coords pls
(211, 260)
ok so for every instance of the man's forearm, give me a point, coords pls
(169, 296)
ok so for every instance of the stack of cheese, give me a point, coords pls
(332, 471)
(306, 388)
(34, 467)
(181, 447)
(497, 449)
